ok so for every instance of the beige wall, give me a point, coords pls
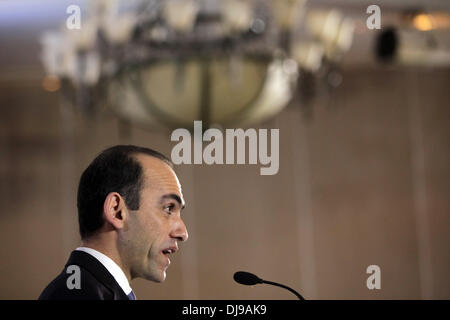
(365, 181)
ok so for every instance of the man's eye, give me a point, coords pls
(169, 208)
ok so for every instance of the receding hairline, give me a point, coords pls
(137, 155)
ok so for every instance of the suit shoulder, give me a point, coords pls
(76, 283)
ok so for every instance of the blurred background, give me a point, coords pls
(363, 114)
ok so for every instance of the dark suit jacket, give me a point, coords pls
(96, 281)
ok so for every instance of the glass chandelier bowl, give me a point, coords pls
(214, 90)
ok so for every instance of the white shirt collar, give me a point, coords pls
(111, 266)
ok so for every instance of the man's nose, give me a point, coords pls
(179, 231)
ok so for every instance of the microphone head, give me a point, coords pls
(246, 278)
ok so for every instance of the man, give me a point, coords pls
(129, 205)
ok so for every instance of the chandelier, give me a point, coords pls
(165, 63)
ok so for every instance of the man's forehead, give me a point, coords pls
(159, 174)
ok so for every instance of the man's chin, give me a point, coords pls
(156, 277)
(163, 276)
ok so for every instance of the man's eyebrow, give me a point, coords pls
(175, 197)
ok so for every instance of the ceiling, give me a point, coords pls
(389, 4)
(25, 13)
(22, 22)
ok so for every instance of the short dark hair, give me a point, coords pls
(114, 170)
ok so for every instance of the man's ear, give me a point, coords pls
(115, 210)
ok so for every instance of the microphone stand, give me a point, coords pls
(283, 286)
(249, 279)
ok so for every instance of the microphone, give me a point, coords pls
(249, 279)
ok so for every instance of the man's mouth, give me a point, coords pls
(168, 251)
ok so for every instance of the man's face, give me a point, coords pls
(152, 232)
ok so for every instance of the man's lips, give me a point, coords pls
(168, 251)
(166, 257)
